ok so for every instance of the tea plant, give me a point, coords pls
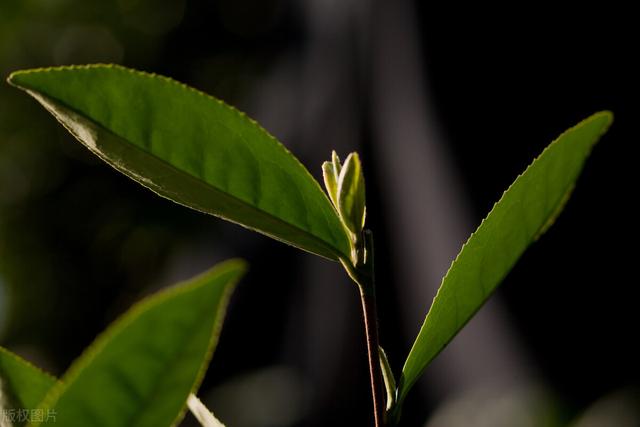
(195, 150)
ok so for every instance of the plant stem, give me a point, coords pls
(368, 300)
(363, 275)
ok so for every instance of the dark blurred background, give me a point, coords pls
(446, 104)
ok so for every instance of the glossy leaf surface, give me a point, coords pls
(191, 148)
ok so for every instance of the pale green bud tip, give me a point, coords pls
(337, 166)
(330, 181)
(351, 194)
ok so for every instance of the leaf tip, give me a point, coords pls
(334, 157)
(606, 113)
(606, 116)
(239, 265)
(13, 77)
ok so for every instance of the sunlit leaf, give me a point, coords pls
(191, 148)
(351, 194)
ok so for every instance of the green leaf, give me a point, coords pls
(337, 166)
(190, 148)
(142, 369)
(330, 181)
(389, 379)
(25, 384)
(525, 210)
(330, 173)
(351, 194)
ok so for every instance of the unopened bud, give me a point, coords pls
(330, 181)
(351, 194)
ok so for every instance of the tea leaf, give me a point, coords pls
(351, 194)
(525, 210)
(141, 371)
(25, 384)
(191, 148)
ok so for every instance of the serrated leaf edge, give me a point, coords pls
(403, 387)
(336, 251)
(147, 303)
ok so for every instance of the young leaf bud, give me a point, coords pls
(330, 182)
(337, 166)
(351, 194)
